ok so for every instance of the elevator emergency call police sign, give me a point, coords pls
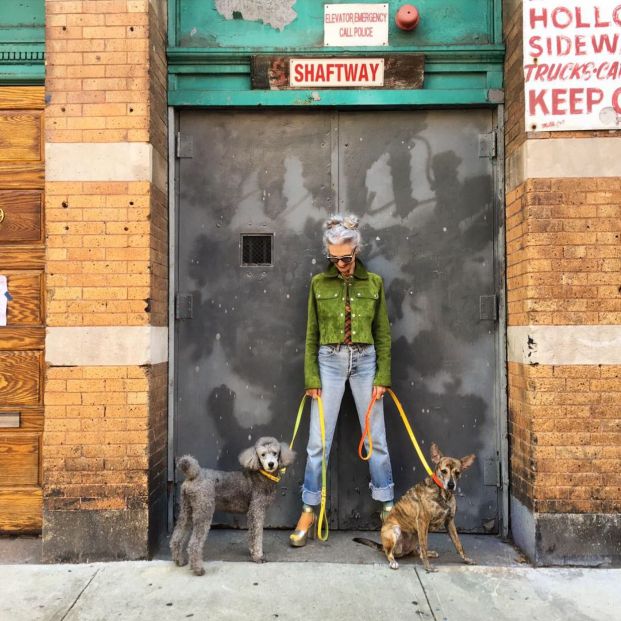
(572, 64)
(355, 25)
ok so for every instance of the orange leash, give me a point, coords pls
(367, 434)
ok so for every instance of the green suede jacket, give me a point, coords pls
(326, 319)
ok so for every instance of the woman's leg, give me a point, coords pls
(361, 382)
(333, 366)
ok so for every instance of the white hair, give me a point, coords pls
(342, 230)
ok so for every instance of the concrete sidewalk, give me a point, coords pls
(358, 587)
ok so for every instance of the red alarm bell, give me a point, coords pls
(407, 17)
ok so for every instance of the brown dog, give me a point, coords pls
(423, 507)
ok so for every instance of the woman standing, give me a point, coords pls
(347, 340)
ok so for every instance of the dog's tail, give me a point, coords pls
(189, 466)
(369, 542)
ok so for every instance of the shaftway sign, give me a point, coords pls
(393, 71)
(313, 72)
(572, 64)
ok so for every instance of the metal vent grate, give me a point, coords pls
(257, 249)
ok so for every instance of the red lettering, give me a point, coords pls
(537, 100)
(541, 72)
(598, 22)
(579, 22)
(604, 41)
(575, 99)
(309, 73)
(616, 15)
(558, 11)
(364, 73)
(558, 100)
(298, 73)
(535, 48)
(596, 96)
(534, 18)
(374, 68)
(350, 73)
(616, 101)
(580, 45)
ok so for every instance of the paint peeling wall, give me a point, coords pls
(275, 13)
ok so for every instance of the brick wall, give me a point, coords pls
(563, 311)
(107, 262)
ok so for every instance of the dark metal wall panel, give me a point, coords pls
(426, 201)
(426, 197)
(240, 357)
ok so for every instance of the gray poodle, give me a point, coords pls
(205, 491)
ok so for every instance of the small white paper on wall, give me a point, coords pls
(3, 300)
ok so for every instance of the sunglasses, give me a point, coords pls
(346, 258)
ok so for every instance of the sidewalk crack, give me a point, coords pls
(422, 586)
(75, 601)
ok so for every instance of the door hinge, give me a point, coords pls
(184, 145)
(487, 144)
(491, 472)
(488, 308)
(183, 306)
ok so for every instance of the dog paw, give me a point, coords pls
(431, 569)
(199, 571)
(432, 554)
(468, 560)
(259, 559)
(394, 565)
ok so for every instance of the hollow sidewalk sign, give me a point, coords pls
(572, 64)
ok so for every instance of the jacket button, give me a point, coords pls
(358, 295)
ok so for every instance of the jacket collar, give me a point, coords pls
(360, 271)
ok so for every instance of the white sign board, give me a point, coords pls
(331, 72)
(3, 300)
(572, 64)
(355, 25)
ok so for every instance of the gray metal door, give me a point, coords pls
(255, 183)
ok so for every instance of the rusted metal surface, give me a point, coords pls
(426, 201)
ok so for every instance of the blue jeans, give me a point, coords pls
(337, 365)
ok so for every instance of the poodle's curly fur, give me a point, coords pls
(205, 491)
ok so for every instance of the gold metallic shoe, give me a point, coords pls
(386, 509)
(306, 527)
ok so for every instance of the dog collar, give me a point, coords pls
(437, 481)
(269, 476)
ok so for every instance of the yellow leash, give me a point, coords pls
(322, 524)
(404, 418)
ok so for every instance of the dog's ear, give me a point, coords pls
(467, 461)
(249, 459)
(436, 453)
(287, 456)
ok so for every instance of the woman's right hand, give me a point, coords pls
(313, 393)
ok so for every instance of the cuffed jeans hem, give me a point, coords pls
(311, 498)
(383, 494)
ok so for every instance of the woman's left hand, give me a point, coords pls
(378, 392)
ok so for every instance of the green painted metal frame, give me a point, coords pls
(220, 77)
(22, 42)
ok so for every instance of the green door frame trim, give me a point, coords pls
(455, 75)
(22, 42)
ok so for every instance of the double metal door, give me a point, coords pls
(254, 190)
